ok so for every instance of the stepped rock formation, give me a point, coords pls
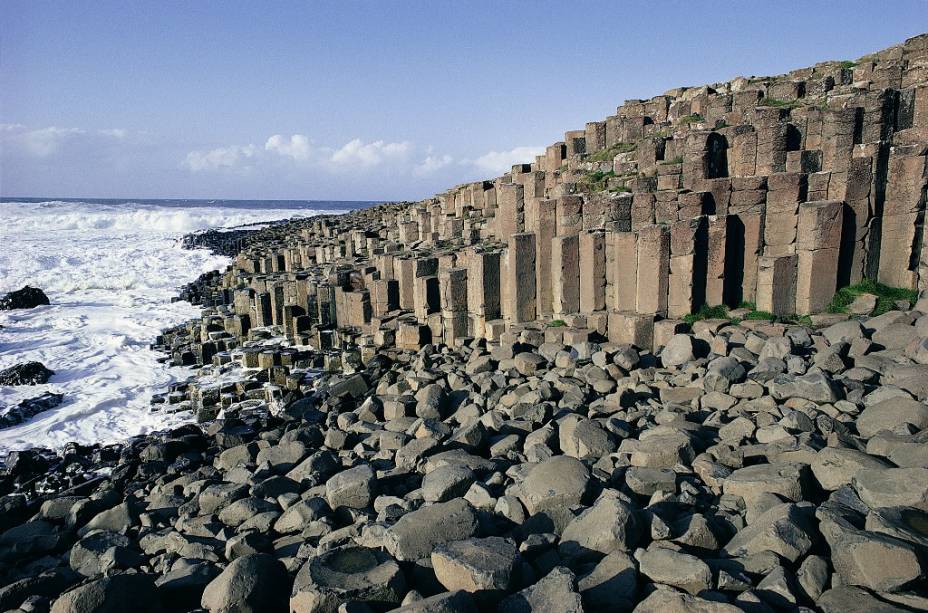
(513, 415)
(774, 191)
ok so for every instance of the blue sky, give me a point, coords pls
(363, 100)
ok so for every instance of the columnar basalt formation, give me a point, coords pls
(766, 190)
(493, 399)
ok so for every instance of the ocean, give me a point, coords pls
(110, 269)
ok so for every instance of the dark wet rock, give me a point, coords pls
(29, 408)
(25, 298)
(27, 373)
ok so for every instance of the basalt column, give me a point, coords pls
(565, 274)
(592, 247)
(817, 246)
(653, 270)
(521, 277)
(453, 289)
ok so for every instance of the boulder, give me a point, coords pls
(612, 584)
(893, 487)
(787, 479)
(447, 482)
(446, 602)
(416, 534)
(874, 561)
(476, 565)
(528, 363)
(834, 467)
(851, 599)
(254, 583)
(785, 529)
(27, 373)
(25, 298)
(554, 593)
(555, 483)
(353, 488)
(347, 574)
(128, 593)
(675, 568)
(891, 413)
(182, 587)
(29, 408)
(815, 386)
(678, 351)
(669, 601)
(609, 525)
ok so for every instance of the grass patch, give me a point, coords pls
(847, 64)
(557, 323)
(721, 312)
(607, 155)
(760, 316)
(599, 180)
(694, 118)
(706, 312)
(886, 296)
(676, 160)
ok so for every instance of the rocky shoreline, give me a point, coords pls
(547, 392)
(751, 466)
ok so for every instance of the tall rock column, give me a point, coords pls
(622, 269)
(545, 228)
(817, 247)
(452, 284)
(483, 289)
(903, 217)
(688, 259)
(565, 274)
(521, 277)
(653, 270)
(592, 272)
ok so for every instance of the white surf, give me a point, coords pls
(110, 271)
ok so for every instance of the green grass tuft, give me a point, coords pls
(607, 155)
(707, 312)
(886, 296)
(760, 316)
(557, 323)
(599, 180)
(848, 64)
(694, 118)
(747, 305)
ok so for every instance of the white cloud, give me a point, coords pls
(432, 163)
(499, 162)
(356, 152)
(118, 133)
(42, 142)
(219, 158)
(297, 147)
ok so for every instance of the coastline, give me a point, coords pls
(666, 366)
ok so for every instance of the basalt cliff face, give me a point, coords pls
(766, 191)
(605, 381)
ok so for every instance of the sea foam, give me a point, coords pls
(110, 271)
